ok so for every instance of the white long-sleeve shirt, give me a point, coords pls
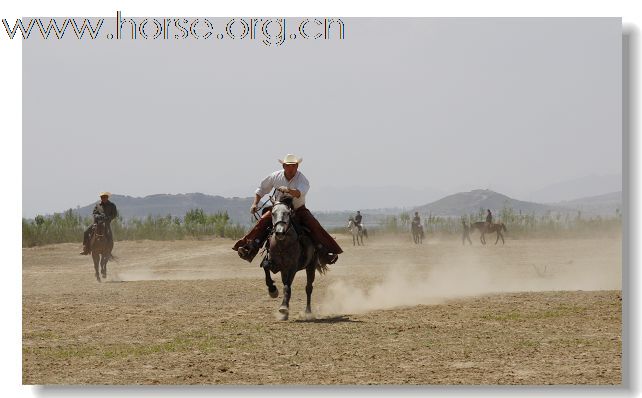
(277, 179)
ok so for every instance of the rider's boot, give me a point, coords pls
(249, 250)
(325, 257)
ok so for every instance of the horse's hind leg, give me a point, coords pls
(96, 259)
(310, 272)
(501, 235)
(273, 291)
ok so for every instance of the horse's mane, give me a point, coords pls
(287, 200)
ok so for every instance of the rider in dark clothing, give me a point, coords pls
(416, 219)
(106, 210)
(357, 219)
(489, 218)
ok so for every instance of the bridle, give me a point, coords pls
(104, 229)
(287, 223)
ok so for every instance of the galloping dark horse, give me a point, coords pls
(485, 228)
(291, 250)
(101, 246)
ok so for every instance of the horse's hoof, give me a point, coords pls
(274, 293)
(98, 278)
(284, 310)
(308, 316)
(283, 317)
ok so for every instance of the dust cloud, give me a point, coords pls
(407, 282)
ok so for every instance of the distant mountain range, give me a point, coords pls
(455, 205)
(606, 204)
(583, 187)
(463, 203)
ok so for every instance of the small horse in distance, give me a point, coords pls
(357, 233)
(484, 229)
(417, 231)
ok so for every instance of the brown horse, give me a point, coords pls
(417, 231)
(101, 246)
(290, 250)
(485, 229)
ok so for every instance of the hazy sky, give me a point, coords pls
(425, 104)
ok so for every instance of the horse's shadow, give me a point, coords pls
(332, 319)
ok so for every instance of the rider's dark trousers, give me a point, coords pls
(87, 236)
(305, 218)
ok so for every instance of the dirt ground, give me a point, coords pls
(192, 312)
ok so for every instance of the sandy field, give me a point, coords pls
(192, 312)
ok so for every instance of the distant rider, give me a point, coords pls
(489, 219)
(105, 209)
(357, 220)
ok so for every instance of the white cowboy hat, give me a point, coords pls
(290, 159)
(105, 193)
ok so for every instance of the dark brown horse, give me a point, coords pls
(290, 250)
(101, 246)
(486, 229)
(417, 231)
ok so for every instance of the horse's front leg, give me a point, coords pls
(103, 265)
(310, 272)
(287, 278)
(273, 291)
(96, 258)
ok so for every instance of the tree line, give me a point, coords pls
(68, 227)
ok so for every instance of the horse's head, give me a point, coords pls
(281, 218)
(101, 228)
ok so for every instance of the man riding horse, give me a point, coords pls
(105, 210)
(489, 218)
(416, 219)
(292, 182)
(357, 220)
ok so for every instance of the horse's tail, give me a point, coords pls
(504, 227)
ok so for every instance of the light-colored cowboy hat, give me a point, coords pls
(105, 193)
(290, 159)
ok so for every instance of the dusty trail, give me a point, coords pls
(191, 312)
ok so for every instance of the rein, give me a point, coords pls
(269, 199)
